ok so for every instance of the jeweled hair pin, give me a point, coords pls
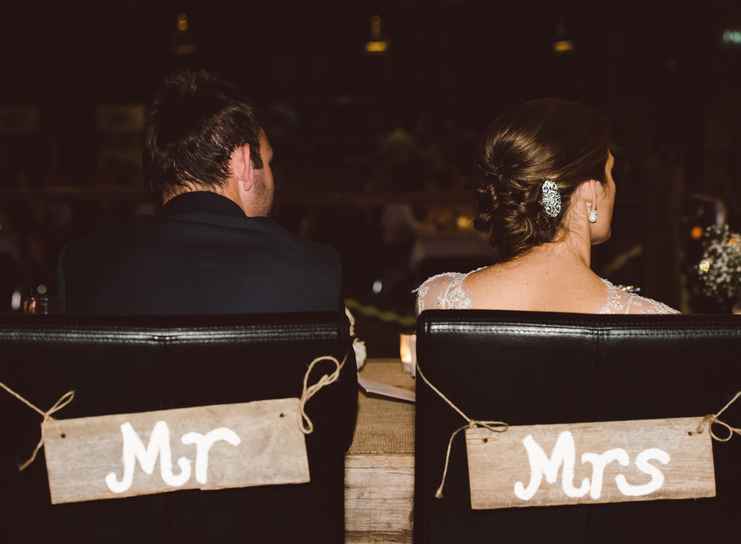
(551, 199)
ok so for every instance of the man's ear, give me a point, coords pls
(242, 167)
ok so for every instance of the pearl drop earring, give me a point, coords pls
(593, 216)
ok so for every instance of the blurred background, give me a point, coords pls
(374, 109)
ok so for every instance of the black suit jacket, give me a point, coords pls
(200, 255)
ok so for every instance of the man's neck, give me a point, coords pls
(221, 191)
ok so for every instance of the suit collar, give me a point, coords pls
(206, 208)
(202, 202)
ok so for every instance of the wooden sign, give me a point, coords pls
(549, 465)
(210, 447)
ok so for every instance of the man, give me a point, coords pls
(212, 249)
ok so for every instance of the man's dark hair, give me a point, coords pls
(195, 122)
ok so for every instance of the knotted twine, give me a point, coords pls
(493, 426)
(709, 420)
(307, 426)
(63, 401)
(499, 426)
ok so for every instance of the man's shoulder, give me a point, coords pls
(153, 233)
(109, 238)
(243, 269)
(304, 249)
(318, 250)
(325, 259)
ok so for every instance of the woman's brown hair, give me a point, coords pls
(542, 139)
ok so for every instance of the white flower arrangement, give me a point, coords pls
(719, 270)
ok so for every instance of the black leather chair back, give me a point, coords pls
(540, 368)
(143, 364)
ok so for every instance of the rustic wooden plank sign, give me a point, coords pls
(210, 447)
(549, 465)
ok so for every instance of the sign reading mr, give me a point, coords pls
(209, 447)
(214, 447)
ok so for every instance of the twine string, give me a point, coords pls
(493, 426)
(307, 426)
(714, 419)
(63, 401)
(309, 391)
(501, 426)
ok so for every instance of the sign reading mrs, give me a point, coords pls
(563, 459)
(548, 465)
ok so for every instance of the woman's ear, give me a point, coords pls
(589, 191)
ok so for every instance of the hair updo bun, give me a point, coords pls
(543, 139)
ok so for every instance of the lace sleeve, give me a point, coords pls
(622, 300)
(641, 305)
(434, 292)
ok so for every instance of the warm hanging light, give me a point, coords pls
(182, 23)
(182, 37)
(377, 45)
(562, 44)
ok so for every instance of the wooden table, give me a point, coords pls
(379, 468)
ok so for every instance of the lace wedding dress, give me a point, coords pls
(447, 292)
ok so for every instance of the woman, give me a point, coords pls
(546, 198)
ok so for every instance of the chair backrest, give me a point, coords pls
(545, 368)
(125, 365)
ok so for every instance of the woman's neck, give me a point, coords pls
(572, 246)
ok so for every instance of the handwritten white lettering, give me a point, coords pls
(159, 448)
(599, 463)
(563, 458)
(203, 445)
(642, 462)
(563, 454)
